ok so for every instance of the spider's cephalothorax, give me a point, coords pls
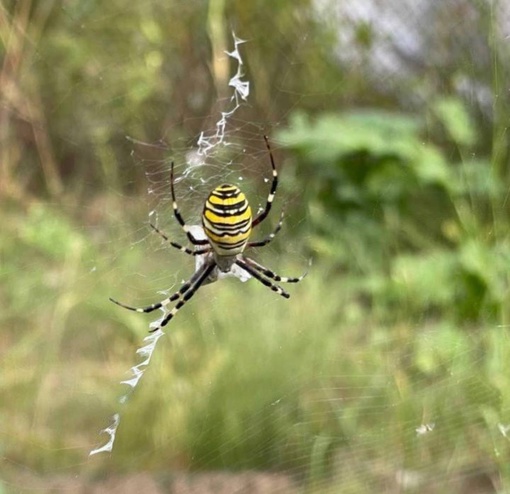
(228, 223)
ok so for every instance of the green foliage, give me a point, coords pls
(402, 321)
(366, 173)
(387, 203)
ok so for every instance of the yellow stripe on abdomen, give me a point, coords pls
(227, 220)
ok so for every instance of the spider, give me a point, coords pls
(227, 222)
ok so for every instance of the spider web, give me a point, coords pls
(208, 145)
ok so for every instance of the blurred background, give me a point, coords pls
(388, 369)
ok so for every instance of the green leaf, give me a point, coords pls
(452, 113)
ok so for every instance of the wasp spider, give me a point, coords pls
(227, 222)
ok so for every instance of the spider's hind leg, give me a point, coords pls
(271, 274)
(262, 279)
(199, 278)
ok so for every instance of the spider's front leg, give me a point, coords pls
(272, 192)
(177, 246)
(177, 213)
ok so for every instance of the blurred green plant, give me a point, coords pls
(385, 203)
(408, 216)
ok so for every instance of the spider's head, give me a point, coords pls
(227, 220)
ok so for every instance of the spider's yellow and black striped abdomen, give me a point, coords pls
(227, 220)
